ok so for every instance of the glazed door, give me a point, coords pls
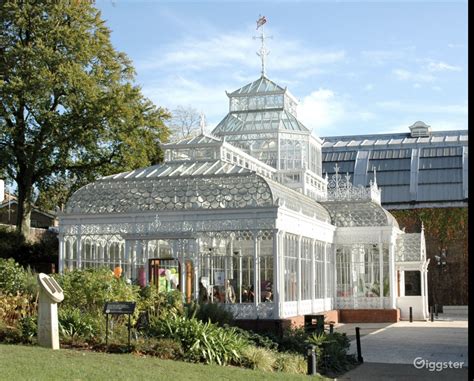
(164, 274)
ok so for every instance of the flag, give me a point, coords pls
(262, 20)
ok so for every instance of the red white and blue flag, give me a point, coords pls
(262, 20)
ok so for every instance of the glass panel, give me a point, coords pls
(290, 267)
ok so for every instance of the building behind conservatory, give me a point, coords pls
(245, 217)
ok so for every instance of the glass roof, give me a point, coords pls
(276, 120)
(409, 248)
(351, 214)
(261, 85)
(187, 185)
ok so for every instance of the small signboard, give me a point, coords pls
(119, 308)
(219, 278)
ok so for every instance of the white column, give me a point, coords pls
(196, 264)
(145, 262)
(392, 278)
(298, 277)
(256, 272)
(426, 288)
(313, 275)
(325, 275)
(423, 300)
(381, 272)
(182, 280)
(126, 259)
(276, 276)
(402, 282)
(79, 249)
(281, 274)
(61, 253)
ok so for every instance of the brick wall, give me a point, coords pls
(369, 316)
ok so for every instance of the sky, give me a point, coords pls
(355, 67)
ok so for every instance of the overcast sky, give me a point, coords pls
(355, 67)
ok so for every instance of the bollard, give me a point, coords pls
(359, 352)
(431, 314)
(331, 328)
(411, 314)
(436, 310)
(311, 360)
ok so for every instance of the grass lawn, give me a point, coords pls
(21, 362)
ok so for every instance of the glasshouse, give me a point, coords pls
(245, 217)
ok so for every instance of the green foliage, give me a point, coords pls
(259, 358)
(28, 326)
(89, 289)
(73, 324)
(160, 304)
(167, 349)
(12, 276)
(257, 340)
(213, 312)
(331, 350)
(202, 342)
(9, 335)
(293, 340)
(68, 106)
(290, 363)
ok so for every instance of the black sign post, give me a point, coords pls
(118, 308)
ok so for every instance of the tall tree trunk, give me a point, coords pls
(23, 218)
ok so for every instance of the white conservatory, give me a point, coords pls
(247, 207)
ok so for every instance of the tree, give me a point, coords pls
(69, 110)
(185, 122)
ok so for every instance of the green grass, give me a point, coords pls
(20, 362)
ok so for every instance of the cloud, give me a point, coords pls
(380, 57)
(323, 109)
(434, 66)
(369, 87)
(460, 109)
(180, 90)
(230, 50)
(405, 75)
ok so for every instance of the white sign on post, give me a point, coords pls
(50, 294)
(219, 278)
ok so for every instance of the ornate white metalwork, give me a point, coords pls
(362, 302)
(341, 189)
(409, 248)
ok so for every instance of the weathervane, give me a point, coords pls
(263, 52)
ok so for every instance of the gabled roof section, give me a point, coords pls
(260, 86)
(202, 138)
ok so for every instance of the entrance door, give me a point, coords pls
(164, 274)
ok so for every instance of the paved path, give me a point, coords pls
(389, 350)
(401, 372)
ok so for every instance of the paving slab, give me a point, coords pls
(401, 372)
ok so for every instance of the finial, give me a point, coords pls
(422, 226)
(375, 176)
(263, 52)
(202, 123)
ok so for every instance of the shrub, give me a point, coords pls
(213, 312)
(75, 324)
(257, 339)
(259, 358)
(331, 350)
(12, 276)
(15, 307)
(89, 289)
(160, 304)
(293, 340)
(8, 334)
(28, 326)
(202, 342)
(290, 363)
